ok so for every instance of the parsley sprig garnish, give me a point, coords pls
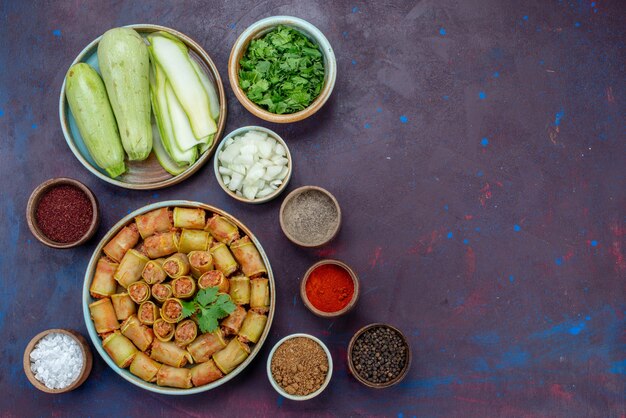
(283, 71)
(210, 308)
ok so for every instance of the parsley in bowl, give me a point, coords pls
(282, 69)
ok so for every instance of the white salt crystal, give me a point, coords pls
(56, 360)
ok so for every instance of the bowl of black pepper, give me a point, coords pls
(379, 356)
(62, 213)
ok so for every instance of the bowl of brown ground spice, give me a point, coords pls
(299, 367)
(62, 213)
(310, 216)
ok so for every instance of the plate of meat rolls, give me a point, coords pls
(178, 297)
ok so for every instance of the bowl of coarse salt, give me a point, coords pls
(253, 164)
(57, 360)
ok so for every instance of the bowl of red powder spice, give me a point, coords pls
(330, 288)
(62, 213)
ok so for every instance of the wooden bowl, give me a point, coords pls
(348, 307)
(147, 174)
(241, 131)
(257, 30)
(84, 373)
(33, 202)
(288, 200)
(279, 389)
(395, 380)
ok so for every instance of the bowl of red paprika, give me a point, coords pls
(62, 213)
(330, 288)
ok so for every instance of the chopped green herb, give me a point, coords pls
(283, 71)
(210, 308)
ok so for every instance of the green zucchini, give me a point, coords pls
(124, 61)
(183, 135)
(162, 155)
(90, 106)
(214, 102)
(173, 58)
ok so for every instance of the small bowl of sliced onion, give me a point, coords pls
(253, 164)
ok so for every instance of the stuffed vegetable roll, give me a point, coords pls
(200, 262)
(161, 291)
(103, 283)
(260, 295)
(205, 373)
(193, 240)
(186, 332)
(153, 271)
(214, 278)
(206, 345)
(231, 356)
(172, 310)
(138, 333)
(248, 257)
(161, 245)
(223, 259)
(253, 326)
(130, 268)
(240, 290)
(120, 349)
(123, 306)
(183, 287)
(222, 229)
(147, 313)
(164, 331)
(139, 292)
(158, 220)
(232, 323)
(126, 239)
(103, 316)
(175, 377)
(191, 218)
(177, 265)
(167, 352)
(144, 367)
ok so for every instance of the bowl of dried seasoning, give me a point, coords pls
(62, 213)
(299, 367)
(330, 288)
(379, 356)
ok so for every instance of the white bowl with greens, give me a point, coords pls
(135, 151)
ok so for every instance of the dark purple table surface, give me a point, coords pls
(477, 150)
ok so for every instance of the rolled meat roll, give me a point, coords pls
(191, 218)
(248, 257)
(206, 345)
(177, 265)
(232, 323)
(186, 332)
(222, 229)
(144, 367)
(123, 306)
(161, 291)
(130, 268)
(153, 271)
(231, 356)
(120, 349)
(126, 239)
(158, 220)
(172, 310)
(147, 313)
(214, 278)
(205, 373)
(223, 259)
(103, 316)
(161, 245)
(175, 377)
(200, 262)
(193, 240)
(167, 352)
(260, 295)
(139, 292)
(240, 290)
(252, 327)
(103, 283)
(183, 287)
(139, 334)
(164, 331)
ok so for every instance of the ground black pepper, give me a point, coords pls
(311, 217)
(64, 214)
(379, 354)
